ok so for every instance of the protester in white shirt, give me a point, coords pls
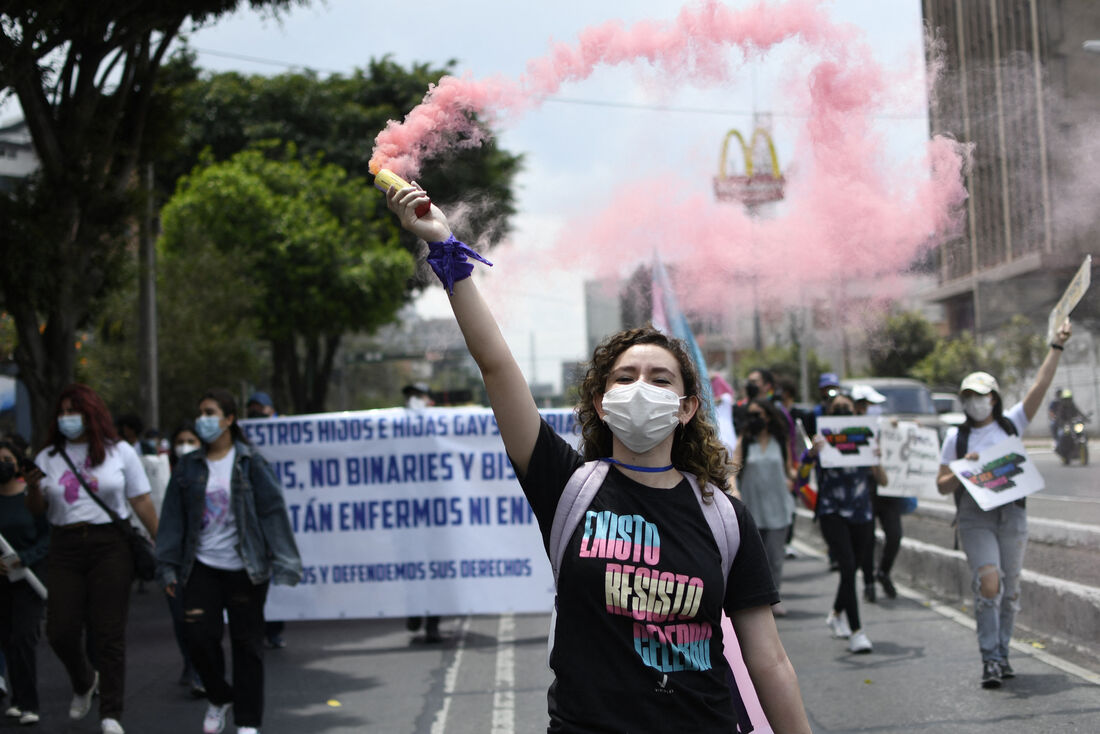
(90, 566)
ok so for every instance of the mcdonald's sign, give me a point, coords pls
(751, 188)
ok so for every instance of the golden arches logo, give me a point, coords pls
(751, 188)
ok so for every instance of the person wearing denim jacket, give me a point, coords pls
(225, 537)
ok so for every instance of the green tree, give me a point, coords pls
(340, 116)
(900, 343)
(309, 241)
(84, 74)
(782, 361)
(1019, 347)
(1011, 355)
(954, 359)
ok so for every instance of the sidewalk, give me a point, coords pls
(924, 672)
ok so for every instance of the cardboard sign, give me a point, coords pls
(1073, 295)
(849, 440)
(911, 457)
(1002, 474)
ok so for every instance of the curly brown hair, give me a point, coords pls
(695, 448)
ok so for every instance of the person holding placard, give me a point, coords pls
(994, 540)
(654, 477)
(21, 607)
(847, 523)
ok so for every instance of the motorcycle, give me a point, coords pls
(1073, 441)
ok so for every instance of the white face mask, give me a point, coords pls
(415, 402)
(978, 407)
(641, 415)
(183, 449)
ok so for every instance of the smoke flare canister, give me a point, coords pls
(385, 178)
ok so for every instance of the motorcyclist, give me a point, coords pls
(1062, 411)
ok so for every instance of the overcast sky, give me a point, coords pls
(582, 142)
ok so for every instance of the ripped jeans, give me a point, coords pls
(209, 591)
(994, 542)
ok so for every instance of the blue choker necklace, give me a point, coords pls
(648, 469)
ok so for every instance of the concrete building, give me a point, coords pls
(1019, 86)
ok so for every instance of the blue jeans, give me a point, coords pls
(994, 543)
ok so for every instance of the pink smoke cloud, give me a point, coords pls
(848, 212)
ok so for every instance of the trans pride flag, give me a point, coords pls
(668, 317)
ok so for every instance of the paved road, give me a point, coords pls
(1072, 492)
(490, 676)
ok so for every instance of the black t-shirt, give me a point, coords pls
(638, 641)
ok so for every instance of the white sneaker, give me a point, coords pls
(14, 712)
(838, 623)
(214, 721)
(28, 717)
(82, 702)
(859, 643)
(247, 730)
(111, 726)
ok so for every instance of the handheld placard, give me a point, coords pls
(385, 178)
(1075, 291)
(16, 574)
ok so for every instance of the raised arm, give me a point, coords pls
(514, 407)
(1034, 398)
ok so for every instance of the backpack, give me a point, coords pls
(575, 499)
(962, 440)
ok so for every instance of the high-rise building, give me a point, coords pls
(1017, 84)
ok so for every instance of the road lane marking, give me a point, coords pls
(967, 620)
(504, 684)
(450, 679)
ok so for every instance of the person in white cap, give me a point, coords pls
(994, 540)
(886, 509)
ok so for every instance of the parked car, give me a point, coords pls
(906, 399)
(949, 407)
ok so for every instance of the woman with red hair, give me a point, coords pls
(89, 565)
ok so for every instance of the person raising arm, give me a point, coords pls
(660, 461)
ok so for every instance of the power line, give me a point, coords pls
(572, 100)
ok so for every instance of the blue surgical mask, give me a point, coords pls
(71, 426)
(208, 427)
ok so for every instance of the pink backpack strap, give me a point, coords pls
(722, 519)
(574, 501)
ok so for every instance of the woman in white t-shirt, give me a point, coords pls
(225, 536)
(994, 540)
(89, 565)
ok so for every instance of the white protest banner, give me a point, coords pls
(911, 457)
(399, 512)
(849, 440)
(1002, 474)
(1075, 291)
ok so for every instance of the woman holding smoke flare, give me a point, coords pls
(660, 479)
(994, 540)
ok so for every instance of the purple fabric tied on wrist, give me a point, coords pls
(448, 260)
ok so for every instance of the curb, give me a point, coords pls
(1051, 607)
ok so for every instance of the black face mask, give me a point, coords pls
(7, 472)
(751, 390)
(842, 411)
(256, 414)
(756, 424)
